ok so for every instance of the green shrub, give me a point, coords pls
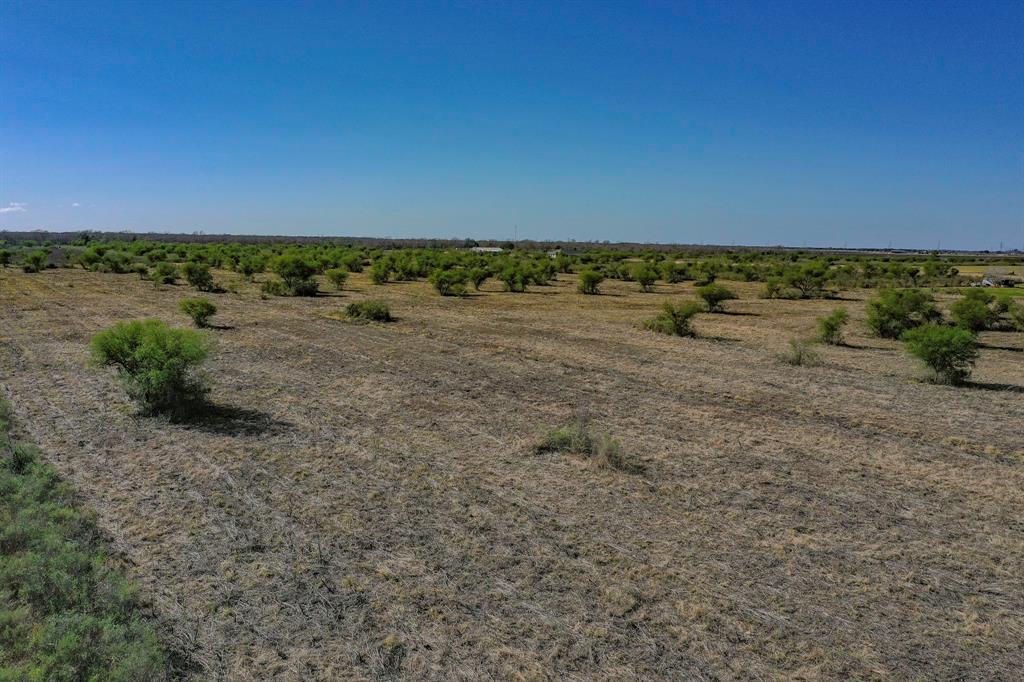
(513, 278)
(978, 310)
(1016, 312)
(894, 311)
(1001, 302)
(157, 364)
(249, 266)
(830, 327)
(5, 258)
(478, 276)
(705, 275)
(273, 287)
(23, 456)
(714, 295)
(807, 280)
(773, 288)
(645, 276)
(675, 319)
(164, 273)
(380, 272)
(949, 352)
(673, 273)
(296, 273)
(800, 354)
(198, 275)
(368, 311)
(337, 277)
(449, 282)
(199, 309)
(590, 281)
(35, 261)
(972, 314)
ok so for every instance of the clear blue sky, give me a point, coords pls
(823, 123)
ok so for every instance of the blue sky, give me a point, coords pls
(824, 123)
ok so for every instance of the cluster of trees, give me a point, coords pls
(948, 349)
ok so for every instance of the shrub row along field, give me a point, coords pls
(452, 271)
(419, 476)
(65, 614)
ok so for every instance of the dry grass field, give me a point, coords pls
(367, 504)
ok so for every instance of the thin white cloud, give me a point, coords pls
(75, 203)
(14, 207)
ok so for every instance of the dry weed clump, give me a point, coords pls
(800, 353)
(603, 451)
(675, 319)
(368, 311)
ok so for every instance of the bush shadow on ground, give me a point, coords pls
(230, 420)
(985, 386)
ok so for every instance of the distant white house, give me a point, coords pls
(486, 249)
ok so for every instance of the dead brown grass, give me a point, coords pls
(366, 504)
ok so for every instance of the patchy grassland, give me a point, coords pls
(369, 501)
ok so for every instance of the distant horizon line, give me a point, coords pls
(68, 235)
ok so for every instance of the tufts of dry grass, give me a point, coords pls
(800, 353)
(603, 451)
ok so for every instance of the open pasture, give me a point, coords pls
(366, 502)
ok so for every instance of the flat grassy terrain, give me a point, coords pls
(367, 503)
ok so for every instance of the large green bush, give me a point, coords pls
(673, 273)
(380, 272)
(478, 276)
(296, 273)
(645, 275)
(590, 281)
(337, 277)
(449, 282)
(894, 311)
(157, 364)
(198, 275)
(164, 273)
(949, 352)
(977, 310)
(714, 295)
(807, 280)
(513, 278)
(35, 261)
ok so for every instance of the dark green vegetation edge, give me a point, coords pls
(65, 613)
